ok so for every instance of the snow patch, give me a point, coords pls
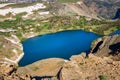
(12, 41)
(3, 5)
(28, 9)
(44, 13)
(7, 30)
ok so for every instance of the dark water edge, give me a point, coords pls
(62, 44)
(114, 33)
(117, 15)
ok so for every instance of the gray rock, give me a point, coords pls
(110, 47)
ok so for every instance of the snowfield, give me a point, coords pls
(3, 5)
(28, 9)
(44, 13)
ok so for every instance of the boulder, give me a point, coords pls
(43, 68)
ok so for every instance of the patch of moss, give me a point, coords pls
(103, 77)
(35, 68)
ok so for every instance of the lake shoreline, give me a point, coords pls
(65, 42)
(18, 59)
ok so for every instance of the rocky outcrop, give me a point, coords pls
(96, 9)
(10, 49)
(81, 9)
(8, 72)
(104, 8)
(77, 68)
(74, 9)
(42, 69)
(117, 15)
(91, 68)
(109, 47)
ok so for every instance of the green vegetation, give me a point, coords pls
(35, 68)
(56, 23)
(1, 16)
(82, 63)
(8, 24)
(107, 27)
(1, 2)
(1, 44)
(18, 16)
(103, 77)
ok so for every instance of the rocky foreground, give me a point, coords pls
(103, 63)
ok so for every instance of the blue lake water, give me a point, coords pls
(57, 45)
(115, 32)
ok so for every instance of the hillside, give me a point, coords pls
(20, 21)
(104, 8)
(89, 8)
(99, 65)
(32, 19)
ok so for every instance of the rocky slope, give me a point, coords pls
(109, 46)
(74, 9)
(91, 68)
(105, 63)
(77, 68)
(10, 49)
(8, 72)
(89, 8)
(104, 8)
(40, 70)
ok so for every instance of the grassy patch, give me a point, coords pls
(1, 2)
(35, 68)
(57, 23)
(103, 77)
(1, 16)
(18, 16)
(82, 63)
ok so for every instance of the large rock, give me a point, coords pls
(42, 68)
(108, 46)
